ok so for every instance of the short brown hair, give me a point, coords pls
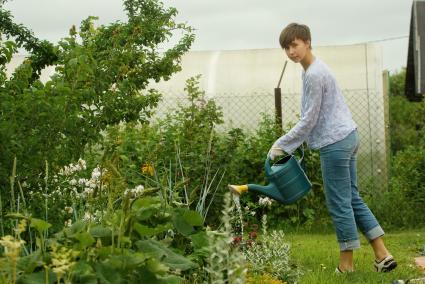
(293, 31)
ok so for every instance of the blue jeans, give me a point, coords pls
(346, 207)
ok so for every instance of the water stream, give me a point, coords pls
(236, 200)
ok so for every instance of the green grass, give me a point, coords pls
(317, 255)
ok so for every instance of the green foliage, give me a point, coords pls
(271, 255)
(137, 239)
(180, 149)
(406, 118)
(406, 122)
(101, 78)
(189, 132)
(42, 53)
(225, 264)
(115, 251)
(7, 49)
(247, 151)
(402, 204)
(397, 82)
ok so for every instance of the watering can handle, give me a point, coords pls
(268, 167)
(301, 162)
(302, 154)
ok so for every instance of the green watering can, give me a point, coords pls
(287, 181)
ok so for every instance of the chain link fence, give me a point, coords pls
(369, 110)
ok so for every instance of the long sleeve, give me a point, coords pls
(311, 102)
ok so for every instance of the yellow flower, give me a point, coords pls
(9, 242)
(21, 226)
(148, 169)
(63, 260)
(12, 248)
(263, 279)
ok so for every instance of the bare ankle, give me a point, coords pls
(379, 249)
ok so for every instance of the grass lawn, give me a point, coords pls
(317, 255)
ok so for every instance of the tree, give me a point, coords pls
(102, 76)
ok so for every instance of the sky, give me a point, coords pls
(244, 24)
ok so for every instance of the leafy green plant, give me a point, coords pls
(406, 118)
(101, 79)
(406, 122)
(180, 150)
(141, 239)
(271, 255)
(405, 193)
(407, 188)
(225, 264)
(189, 131)
(132, 244)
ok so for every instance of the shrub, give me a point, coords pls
(402, 204)
(101, 80)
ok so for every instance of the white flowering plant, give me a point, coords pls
(72, 193)
(271, 254)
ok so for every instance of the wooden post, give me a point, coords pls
(278, 106)
(278, 100)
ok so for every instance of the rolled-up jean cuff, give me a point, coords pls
(374, 233)
(349, 245)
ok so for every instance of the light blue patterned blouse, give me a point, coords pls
(325, 117)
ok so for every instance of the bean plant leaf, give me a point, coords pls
(127, 260)
(82, 272)
(100, 232)
(165, 255)
(149, 277)
(199, 240)
(192, 217)
(40, 225)
(145, 231)
(85, 239)
(107, 275)
(182, 226)
(37, 278)
(145, 207)
(29, 263)
(184, 220)
(156, 266)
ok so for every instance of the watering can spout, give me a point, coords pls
(269, 190)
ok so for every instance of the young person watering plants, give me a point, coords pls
(326, 124)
